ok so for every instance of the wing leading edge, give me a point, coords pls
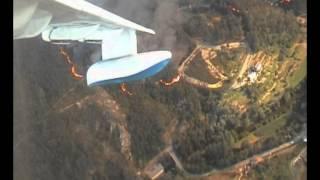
(88, 8)
(66, 21)
(35, 15)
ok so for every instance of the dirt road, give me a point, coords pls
(106, 103)
(212, 69)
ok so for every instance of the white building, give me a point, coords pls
(252, 76)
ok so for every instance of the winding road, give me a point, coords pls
(237, 168)
(212, 69)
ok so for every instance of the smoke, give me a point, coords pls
(165, 23)
(163, 16)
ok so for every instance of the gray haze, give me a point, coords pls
(162, 16)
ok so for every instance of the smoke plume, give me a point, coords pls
(162, 16)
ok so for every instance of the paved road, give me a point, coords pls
(235, 167)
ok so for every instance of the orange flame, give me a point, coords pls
(74, 73)
(174, 80)
(73, 67)
(124, 90)
(66, 56)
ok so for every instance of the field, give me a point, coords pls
(198, 69)
(236, 99)
(298, 75)
(251, 138)
(271, 127)
(263, 131)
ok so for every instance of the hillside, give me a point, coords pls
(236, 87)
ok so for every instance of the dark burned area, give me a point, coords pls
(53, 140)
(52, 145)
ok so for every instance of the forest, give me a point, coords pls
(206, 131)
(210, 133)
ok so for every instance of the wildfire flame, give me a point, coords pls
(74, 73)
(174, 80)
(124, 90)
(69, 61)
(65, 55)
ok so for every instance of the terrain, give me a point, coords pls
(234, 92)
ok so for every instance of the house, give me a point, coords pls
(252, 76)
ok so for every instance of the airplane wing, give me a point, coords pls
(31, 17)
(66, 21)
(70, 10)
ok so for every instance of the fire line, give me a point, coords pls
(124, 90)
(173, 81)
(73, 71)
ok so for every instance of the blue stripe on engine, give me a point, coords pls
(141, 75)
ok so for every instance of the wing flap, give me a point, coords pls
(119, 43)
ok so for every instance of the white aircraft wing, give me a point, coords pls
(33, 16)
(83, 10)
(65, 21)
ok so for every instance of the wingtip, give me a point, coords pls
(151, 31)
